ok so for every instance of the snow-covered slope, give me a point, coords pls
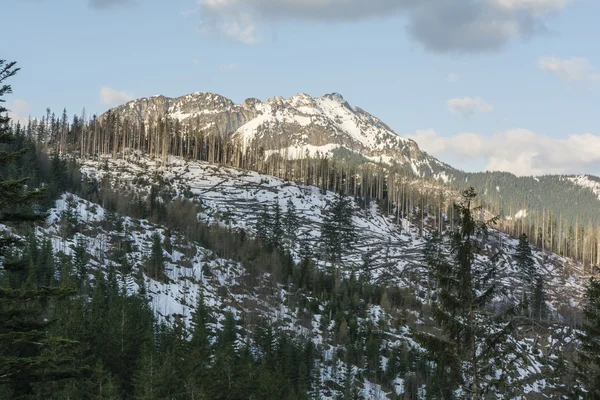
(233, 198)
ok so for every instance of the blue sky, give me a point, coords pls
(481, 84)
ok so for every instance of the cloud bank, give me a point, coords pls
(519, 151)
(569, 69)
(438, 25)
(112, 97)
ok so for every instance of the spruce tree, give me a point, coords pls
(276, 231)
(338, 231)
(525, 261)
(199, 344)
(80, 258)
(291, 222)
(588, 365)
(28, 353)
(468, 352)
(156, 263)
(532, 281)
(263, 226)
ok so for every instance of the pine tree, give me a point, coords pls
(263, 226)
(538, 303)
(80, 258)
(291, 223)
(525, 261)
(276, 231)
(28, 353)
(338, 231)
(532, 280)
(156, 263)
(588, 365)
(199, 344)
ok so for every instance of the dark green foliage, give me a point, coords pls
(471, 335)
(291, 223)
(29, 352)
(525, 261)
(156, 263)
(80, 258)
(588, 366)
(338, 231)
(538, 302)
(263, 226)
(533, 288)
(276, 239)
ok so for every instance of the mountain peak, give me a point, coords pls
(335, 97)
(292, 126)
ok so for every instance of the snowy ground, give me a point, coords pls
(234, 197)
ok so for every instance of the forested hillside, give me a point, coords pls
(328, 143)
(132, 271)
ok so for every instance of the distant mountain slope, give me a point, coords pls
(295, 127)
(587, 181)
(571, 198)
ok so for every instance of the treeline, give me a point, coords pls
(547, 218)
(110, 136)
(554, 213)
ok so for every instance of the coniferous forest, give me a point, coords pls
(81, 325)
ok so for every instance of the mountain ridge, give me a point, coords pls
(294, 126)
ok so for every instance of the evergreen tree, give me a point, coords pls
(276, 231)
(538, 304)
(156, 263)
(199, 345)
(263, 226)
(338, 231)
(588, 365)
(532, 280)
(525, 261)
(28, 353)
(469, 347)
(80, 258)
(291, 223)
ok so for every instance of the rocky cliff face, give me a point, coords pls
(296, 126)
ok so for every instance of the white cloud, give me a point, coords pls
(468, 106)
(439, 25)
(19, 111)
(113, 97)
(234, 23)
(452, 78)
(519, 151)
(569, 69)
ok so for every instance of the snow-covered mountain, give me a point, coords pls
(293, 127)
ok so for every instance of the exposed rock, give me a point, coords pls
(295, 126)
